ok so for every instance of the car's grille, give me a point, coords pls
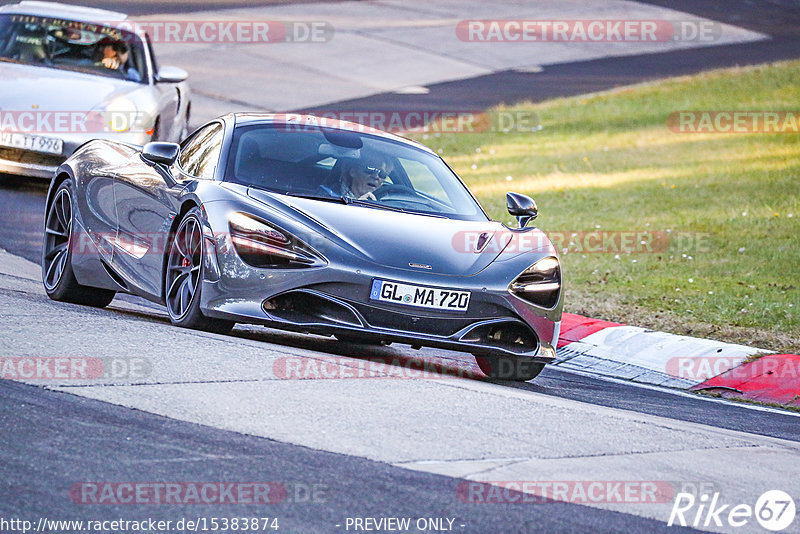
(410, 319)
(408, 322)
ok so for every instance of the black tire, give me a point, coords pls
(509, 367)
(183, 277)
(57, 248)
(187, 118)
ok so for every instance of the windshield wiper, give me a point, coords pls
(338, 200)
(373, 204)
(357, 202)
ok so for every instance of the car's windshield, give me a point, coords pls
(350, 166)
(66, 44)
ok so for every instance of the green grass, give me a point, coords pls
(731, 202)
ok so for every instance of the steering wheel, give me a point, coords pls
(388, 189)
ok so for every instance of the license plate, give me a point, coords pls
(36, 143)
(419, 296)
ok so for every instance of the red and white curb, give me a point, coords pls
(683, 362)
(774, 378)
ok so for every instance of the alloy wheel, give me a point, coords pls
(184, 266)
(58, 229)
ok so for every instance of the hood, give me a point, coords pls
(25, 89)
(393, 239)
(22, 87)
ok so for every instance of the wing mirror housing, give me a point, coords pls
(163, 153)
(168, 74)
(522, 207)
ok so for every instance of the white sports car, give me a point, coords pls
(70, 74)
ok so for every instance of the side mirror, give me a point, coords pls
(522, 207)
(169, 74)
(164, 153)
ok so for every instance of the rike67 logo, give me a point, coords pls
(774, 510)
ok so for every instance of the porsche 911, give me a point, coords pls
(69, 74)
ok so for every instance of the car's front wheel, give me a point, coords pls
(156, 130)
(184, 276)
(186, 119)
(518, 369)
(59, 280)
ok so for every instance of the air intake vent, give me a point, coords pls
(114, 276)
(310, 308)
(512, 336)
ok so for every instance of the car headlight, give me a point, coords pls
(540, 283)
(261, 245)
(121, 115)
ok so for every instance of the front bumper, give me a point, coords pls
(44, 165)
(335, 300)
(28, 163)
(333, 297)
(308, 310)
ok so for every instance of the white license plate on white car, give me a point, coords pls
(422, 297)
(36, 143)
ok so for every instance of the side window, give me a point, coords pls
(200, 155)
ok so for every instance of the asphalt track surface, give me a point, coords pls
(51, 440)
(779, 19)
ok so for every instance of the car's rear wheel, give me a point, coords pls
(184, 276)
(509, 367)
(57, 275)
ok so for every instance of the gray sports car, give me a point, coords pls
(69, 74)
(303, 225)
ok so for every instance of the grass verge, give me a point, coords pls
(728, 205)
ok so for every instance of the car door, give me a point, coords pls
(94, 198)
(147, 203)
(146, 206)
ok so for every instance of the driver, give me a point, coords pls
(360, 177)
(115, 57)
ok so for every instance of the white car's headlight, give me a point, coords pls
(122, 116)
